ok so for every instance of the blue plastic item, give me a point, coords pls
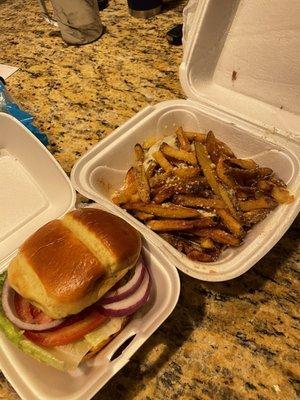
(8, 106)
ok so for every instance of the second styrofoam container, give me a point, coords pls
(102, 170)
(240, 73)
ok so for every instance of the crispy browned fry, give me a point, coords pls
(209, 173)
(130, 185)
(265, 186)
(248, 177)
(263, 202)
(162, 161)
(164, 193)
(231, 223)
(253, 217)
(218, 235)
(129, 191)
(184, 143)
(168, 210)
(216, 148)
(178, 154)
(221, 173)
(159, 179)
(143, 216)
(205, 243)
(150, 141)
(277, 181)
(166, 225)
(142, 183)
(192, 250)
(198, 136)
(245, 163)
(185, 173)
(282, 195)
(197, 186)
(139, 153)
(150, 170)
(121, 197)
(197, 255)
(192, 201)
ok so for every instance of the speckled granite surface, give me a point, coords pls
(231, 341)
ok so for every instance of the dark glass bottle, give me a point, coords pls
(144, 8)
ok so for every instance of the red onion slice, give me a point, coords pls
(129, 288)
(9, 309)
(132, 303)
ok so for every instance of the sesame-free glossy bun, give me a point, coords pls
(69, 264)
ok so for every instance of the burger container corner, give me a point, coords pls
(237, 86)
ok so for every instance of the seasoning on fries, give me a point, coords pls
(193, 191)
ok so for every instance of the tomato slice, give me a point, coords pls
(27, 312)
(68, 333)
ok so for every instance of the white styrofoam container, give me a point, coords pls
(257, 115)
(35, 190)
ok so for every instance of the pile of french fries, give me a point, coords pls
(198, 195)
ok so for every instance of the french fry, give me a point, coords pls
(265, 186)
(200, 256)
(218, 235)
(191, 201)
(129, 192)
(215, 148)
(281, 195)
(130, 185)
(159, 179)
(119, 197)
(192, 250)
(198, 136)
(253, 217)
(143, 216)
(184, 143)
(167, 210)
(205, 243)
(142, 183)
(164, 193)
(166, 225)
(185, 173)
(231, 223)
(248, 177)
(162, 161)
(150, 141)
(209, 173)
(150, 170)
(245, 163)
(178, 154)
(221, 173)
(139, 153)
(122, 197)
(196, 186)
(263, 202)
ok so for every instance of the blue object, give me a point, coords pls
(8, 106)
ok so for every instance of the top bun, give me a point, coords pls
(70, 263)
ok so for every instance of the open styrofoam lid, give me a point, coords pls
(34, 188)
(243, 57)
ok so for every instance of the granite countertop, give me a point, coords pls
(226, 341)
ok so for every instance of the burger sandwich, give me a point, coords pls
(73, 286)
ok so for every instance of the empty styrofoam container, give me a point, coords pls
(240, 73)
(35, 190)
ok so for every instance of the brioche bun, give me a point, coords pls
(70, 263)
